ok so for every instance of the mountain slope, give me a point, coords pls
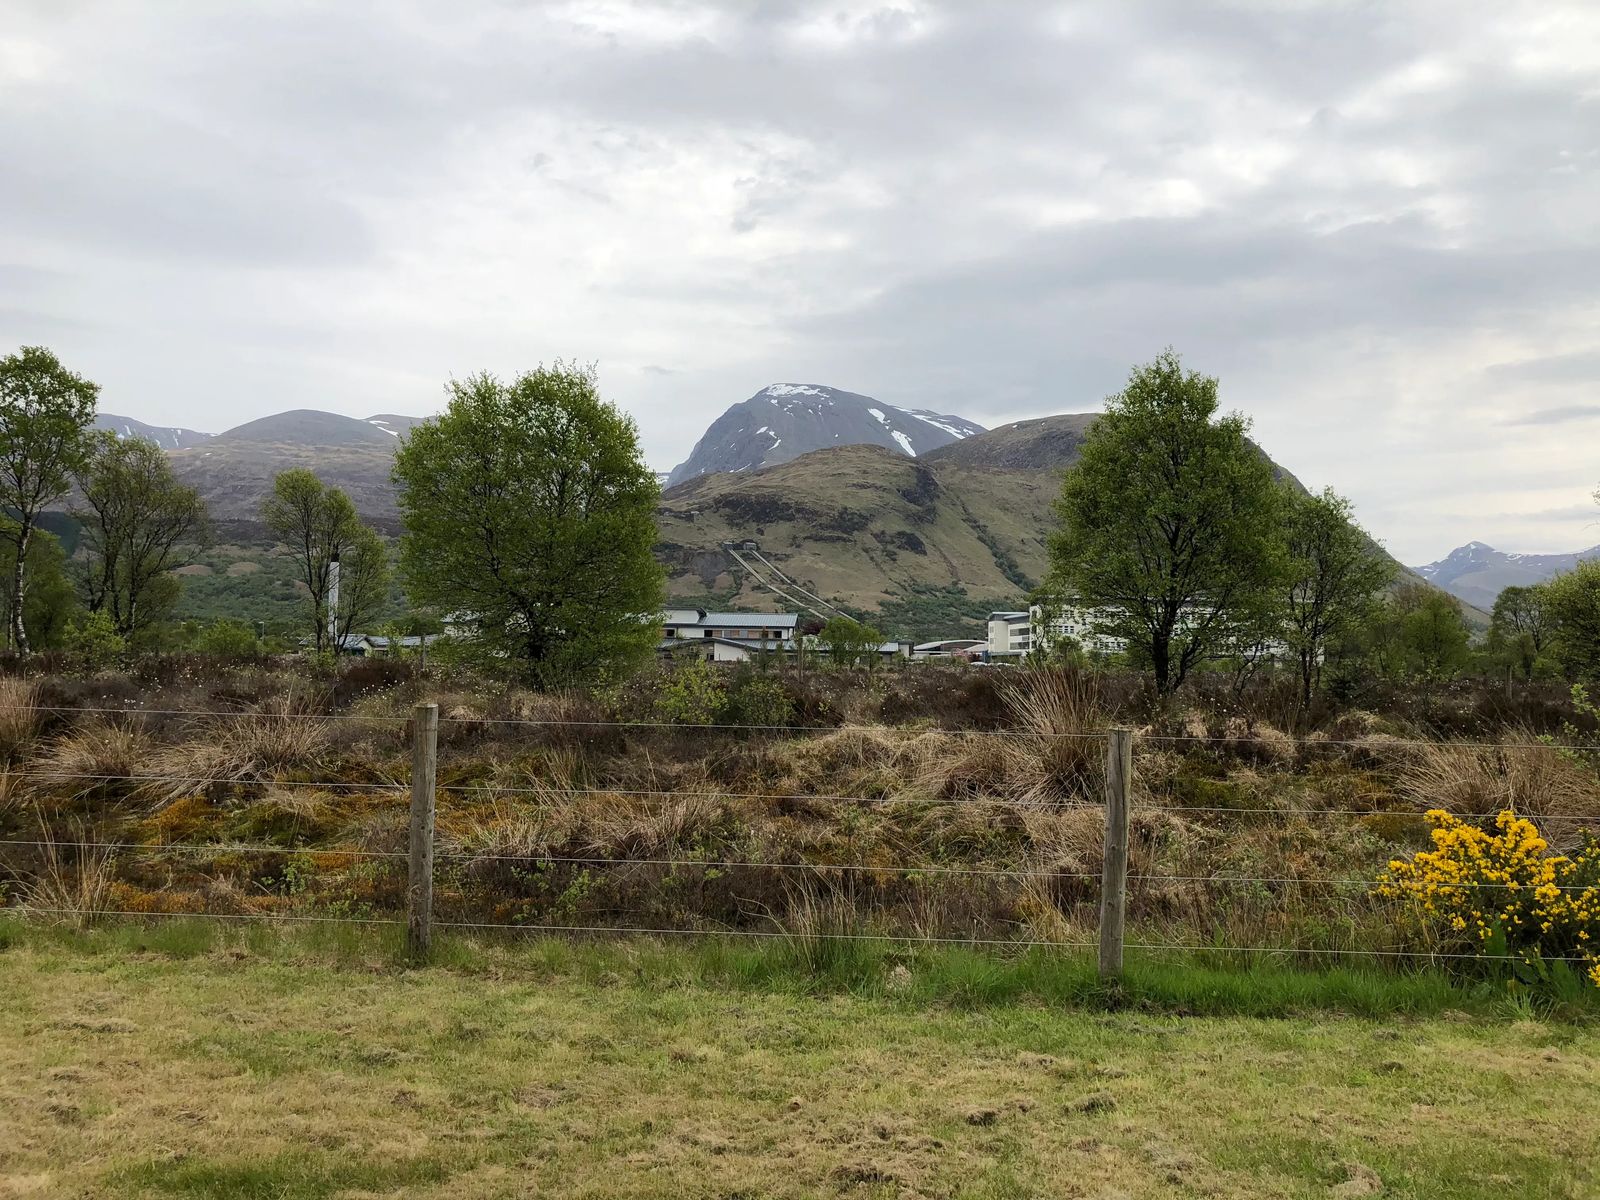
(168, 438)
(785, 420)
(234, 470)
(1477, 573)
(928, 544)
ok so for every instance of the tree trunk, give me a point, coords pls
(19, 635)
(1161, 660)
(1308, 659)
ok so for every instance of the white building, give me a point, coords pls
(1014, 634)
(751, 631)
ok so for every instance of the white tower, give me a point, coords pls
(333, 601)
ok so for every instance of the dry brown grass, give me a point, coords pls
(280, 735)
(18, 720)
(1482, 779)
(98, 752)
(72, 880)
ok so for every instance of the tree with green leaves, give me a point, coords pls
(850, 643)
(1433, 631)
(1171, 524)
(1574, 601)
(1521, 626)
(529, 516)
(320, 526)
(1336, 575)
(50, 605)
(45, 415)
(139, 525)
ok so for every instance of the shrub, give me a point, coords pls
(1502, 894)
(229, 639)
(760, 702)
(94, 640)
(691, 695)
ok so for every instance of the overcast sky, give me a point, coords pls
(1378, 224)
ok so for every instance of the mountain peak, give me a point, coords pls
(785, 420)
(1477, 572)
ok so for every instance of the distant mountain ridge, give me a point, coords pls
(1477, 573)
(785, 420)
(167, 437)
(234, 470)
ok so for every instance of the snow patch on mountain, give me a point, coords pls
(785, 420)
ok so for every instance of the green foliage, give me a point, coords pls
(51, 603)
(759, 702)
(45, 414)
(850, 643)
(1170, 524)
(1335, 578)
(529, 509)
(319, 525)
(924, 612)
(139, 524)
(1521, 628)
(692, 694)
(1435, 634)
(94, 639)
(228, 639)
(1574, 602)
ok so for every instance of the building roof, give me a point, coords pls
(1008, 616)
(948, 643)
(753, 619)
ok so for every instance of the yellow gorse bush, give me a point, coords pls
(1502, 892)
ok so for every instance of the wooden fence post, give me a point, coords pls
(1114, 874)
(419, 882)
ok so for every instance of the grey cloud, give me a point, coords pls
(995, 210)
(1580, 367)
(1558, 416)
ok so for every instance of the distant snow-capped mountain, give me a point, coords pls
(785, 420)
(168, 438)
(1477, 573)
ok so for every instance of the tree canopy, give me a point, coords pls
(45, 415)
(1336, 576)
(529, 517)
(1171, 524)
(320, 526)
(139, 524)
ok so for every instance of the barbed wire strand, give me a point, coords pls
(903, 939)
(1375, 744)
(601, 860)
(401, 788)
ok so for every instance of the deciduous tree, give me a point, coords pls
(529, 517)
(139, 524)
(1522, 625)
(1335, 576)
(45, 414)
(850, 643)
(1574, 600)
(320, 526)
(1171, 523)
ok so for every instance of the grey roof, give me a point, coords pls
(753, 620)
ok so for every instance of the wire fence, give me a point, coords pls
(1374, 743)
(1106, 888)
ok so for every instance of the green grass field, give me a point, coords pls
(204, 1060)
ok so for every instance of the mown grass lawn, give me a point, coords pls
(259, 1063)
